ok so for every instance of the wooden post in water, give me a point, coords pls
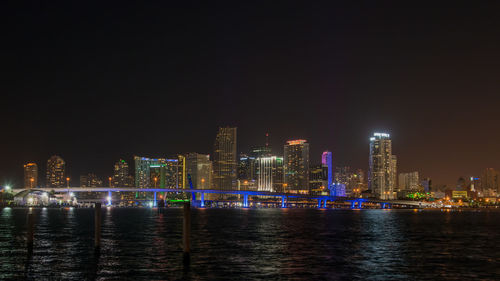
(31, 231)
(186, 233)
(97, 223)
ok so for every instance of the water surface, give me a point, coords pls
(270, 244)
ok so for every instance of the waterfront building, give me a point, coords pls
(270, 173)
(121, 174)
(461, 184)
(382, 167)
(247, 168)
(224, 159)
(199, 168)
(317, 182)
(327, 165)
(160, 172)
(296, 166)
(426, 184)
(339, 190)
(490, 182)
(409, 181)
(30, 175)
(354, 181)
(56, 169)
(90, 180)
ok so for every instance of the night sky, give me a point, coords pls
(95, 82)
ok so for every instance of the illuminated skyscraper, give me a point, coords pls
(382, 173)
(121, 174)
(199, 167)
(408, 181)
(247, 168)
(56, 169)
(270, 173)
(160, 172)
(224, 161)
(327, 165)
(30, 175)
(296, 166)
(490, 182)
(262, 151)
(317, 182)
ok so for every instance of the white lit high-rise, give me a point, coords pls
(382, 170)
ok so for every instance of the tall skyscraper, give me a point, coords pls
(56, 169)
(224, 161)
(296, 166)
(269, 173)
(382, 172)
(199, 167)
(409, 181)
(317, 182)
(160, 172)
(262, 151)
(327, 165)
(490, 182)
(30, 175)
(121, 174)
(247, 168)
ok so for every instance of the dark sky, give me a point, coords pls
(95, 82)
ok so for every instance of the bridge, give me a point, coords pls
(356, 203)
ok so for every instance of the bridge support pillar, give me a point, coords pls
(283, 204)
(360, 204)
(109, 198)
(202, 200)
(389, 206)
(245, 200)
(353, 204)
(382, 205)
(324, 203)
(319, 203)
(154, 201)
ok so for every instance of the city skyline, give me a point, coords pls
(332, 74)
(74, 174)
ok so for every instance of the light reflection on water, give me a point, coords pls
(141, 244)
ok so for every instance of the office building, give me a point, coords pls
(490, 182)
(296, 166)
(160, 172)
(317, 182)
(56, 169)
(30, 175)
(327, 165)
(247, 168)
(353, 181)
(224, 159)
(90, 180)
(199, 168)
(121, 176)
(382, 167)
(409, 181)
(270, 173)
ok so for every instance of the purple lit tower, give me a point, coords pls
(327, 163)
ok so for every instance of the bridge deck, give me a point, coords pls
(232, 192)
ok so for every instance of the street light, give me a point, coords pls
(109, 181)
(67, 181)
(31, 182)
(156, 179)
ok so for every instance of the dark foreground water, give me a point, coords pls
(266, 244)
